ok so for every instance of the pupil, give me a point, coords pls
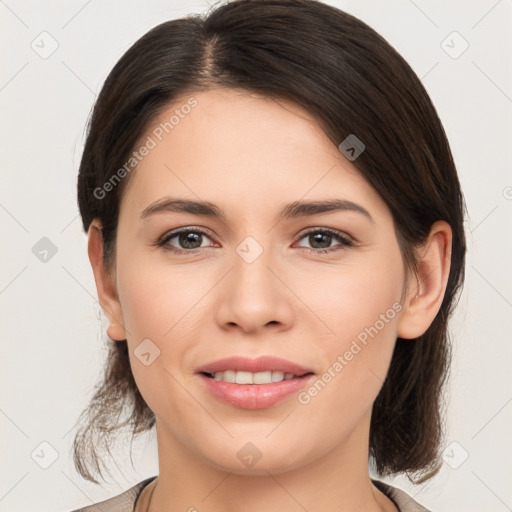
(187, 240)
(317, 237)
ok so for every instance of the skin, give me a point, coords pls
(250, 155)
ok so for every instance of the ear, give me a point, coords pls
(425, 289)
(105, 283)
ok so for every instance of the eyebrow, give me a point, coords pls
(292, 210)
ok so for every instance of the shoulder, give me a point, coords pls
(400, 498)
(122, 503)
(125, 502)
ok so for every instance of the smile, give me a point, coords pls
(241, 377)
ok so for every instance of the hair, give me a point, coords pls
(353, 82)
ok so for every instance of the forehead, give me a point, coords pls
(235, 147)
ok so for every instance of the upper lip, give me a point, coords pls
(260, 364)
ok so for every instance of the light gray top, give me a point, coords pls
(126, 501)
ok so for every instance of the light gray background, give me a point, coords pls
(52, 348)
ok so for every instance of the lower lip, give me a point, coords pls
(254, 396)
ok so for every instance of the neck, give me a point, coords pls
(337, 481)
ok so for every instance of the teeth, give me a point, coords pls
(277, 376)
(261, 378)
(252, 378)
(244, 378)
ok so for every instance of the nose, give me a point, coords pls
(253, 296)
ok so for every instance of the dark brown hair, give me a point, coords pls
(353, 82)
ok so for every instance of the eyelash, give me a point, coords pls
(344, 240)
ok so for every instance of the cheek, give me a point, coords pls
(361, 306)
(351, 297)
(165, 304)
(158, 299)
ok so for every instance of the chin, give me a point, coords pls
(250, 461)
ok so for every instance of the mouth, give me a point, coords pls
(253, 383)
(264, 377)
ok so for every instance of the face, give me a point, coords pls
(252, 277)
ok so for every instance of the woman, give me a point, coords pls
(276, 232)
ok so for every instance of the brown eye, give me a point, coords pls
(321, 240)
(187, 240)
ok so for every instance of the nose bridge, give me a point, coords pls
(252, 278)
(252, 295)
(251, 267)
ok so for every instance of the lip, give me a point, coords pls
(254, 396)
(260, 364)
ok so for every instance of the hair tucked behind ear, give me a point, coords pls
(353, 82)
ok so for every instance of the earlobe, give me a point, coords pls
(105, 283)
(426, 288)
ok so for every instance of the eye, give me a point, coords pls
(322, 238)
(188, 239)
